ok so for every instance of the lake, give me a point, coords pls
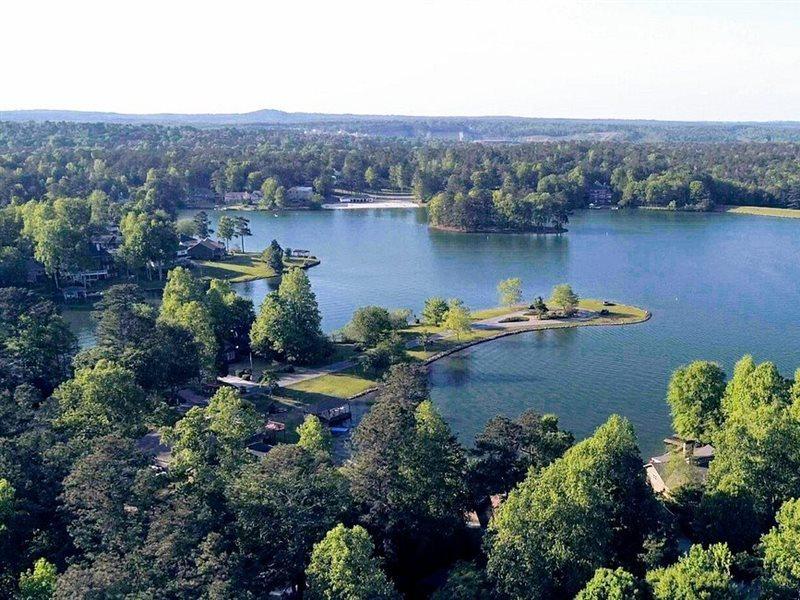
(718, 285)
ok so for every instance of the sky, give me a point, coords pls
(651, 60)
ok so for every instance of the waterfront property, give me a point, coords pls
(684, 463)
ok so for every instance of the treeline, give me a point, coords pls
(171, 164)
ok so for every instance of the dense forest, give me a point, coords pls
(471, 186)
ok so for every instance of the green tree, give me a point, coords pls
(458, 318)
(268, 189)
(38, 583)
(210, 442)
(273, 256)
(282, 505)
(507, 449)
(147, 239)
(406, 472)
(565, 299)
(588, 509)
(466, 581)
(101, 400)
(539, 307)
(434, 311)
(371, 177)
(695, 399)
(369, 326)
(608, 584)
(183, 304)
(700, 574)
(202, 224)
(226, 229)
(289, 322)
(7, 503)
(510, 291)
(314, 436)
(343, 567)
(242, 229)
(757, 460)
(781, 549)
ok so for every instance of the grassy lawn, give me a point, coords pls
(339, 385)
(617, 312)
(490, 313)
(236, 268)
(787, 213)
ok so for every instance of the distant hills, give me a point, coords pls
(486, 129)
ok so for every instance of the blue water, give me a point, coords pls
(718, 285)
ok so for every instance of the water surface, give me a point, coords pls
(718, 286)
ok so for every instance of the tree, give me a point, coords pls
(242, 229)
(507, 449)
(588, 509)
(369, 326)
(273, 256)
(757, 460)
(564, 298)
(7, 503)
(268, 189)
(101, 400)
(288, 322)
(371, 177)
(226, 229)
(343, 567)
(695, 399)
(36, 344)
(466, 581)
(406, 473)
(209, 443)
(510, 291)
(183, 304)
(99, 497)
(38, 583)
(781, 574)
(458, 318)
(434, 311)
(699, 574)
(314, 436)
(147, 239)
(281, 506)
(608, 584)
(202, 225)
(539, 307)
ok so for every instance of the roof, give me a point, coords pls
(208, 243)
(152, 445)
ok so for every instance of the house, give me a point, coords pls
(300, 253)
(299, 194)
(73, 292)
(600, 194)
(206, 249)
(356, 200)
(152, 445)
(243, 197)
(685, 462)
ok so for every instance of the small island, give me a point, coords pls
(500, 211)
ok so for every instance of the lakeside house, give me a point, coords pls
(685, 462)
(205, 249)
(299, 194)
(243, 197)
(600, 194)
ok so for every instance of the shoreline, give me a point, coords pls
(537, 230)
(368, 205)
(595, 321)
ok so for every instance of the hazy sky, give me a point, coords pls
(660, 60)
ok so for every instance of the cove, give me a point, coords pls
(718, 286)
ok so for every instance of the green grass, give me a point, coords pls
(236, 268)
(787, 213)
(619, 312)
(490, 313)
(339, 385)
